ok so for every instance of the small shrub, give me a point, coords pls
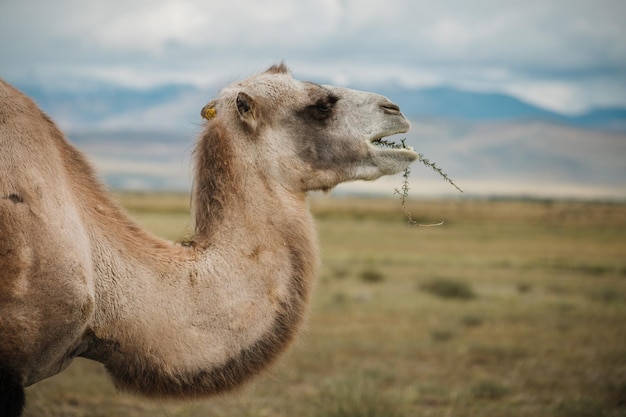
(583, 407)
(447, 288)
(557, 289)
(605, 295)
(355, 398)
(617, 393)
(524, 288)
(472, 321)
(372, 275)
(565, 307)
(594, 269)
(503, 356)
(489, 390)
(441, 335)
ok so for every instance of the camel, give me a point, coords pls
(79, 278)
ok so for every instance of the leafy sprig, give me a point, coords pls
(403, 191)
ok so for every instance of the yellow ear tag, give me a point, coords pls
(209, 113)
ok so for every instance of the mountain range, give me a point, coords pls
(489, 143)
(108, 105)
(449, 103)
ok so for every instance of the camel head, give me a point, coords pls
(308, 136)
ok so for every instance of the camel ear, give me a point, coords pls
(246, 107)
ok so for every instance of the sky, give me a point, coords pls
(563, 55)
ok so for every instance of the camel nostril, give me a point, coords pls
(390, 108)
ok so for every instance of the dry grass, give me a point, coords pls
(543, 335)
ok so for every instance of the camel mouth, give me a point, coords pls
(390, 156)
(382, 143)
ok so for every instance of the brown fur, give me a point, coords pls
(79, 278)
(215, 180)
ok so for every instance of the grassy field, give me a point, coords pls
(508, 309)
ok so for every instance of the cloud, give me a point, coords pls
(548, 52)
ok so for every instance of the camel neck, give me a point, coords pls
(208, 317)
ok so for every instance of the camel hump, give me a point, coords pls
(11, 392)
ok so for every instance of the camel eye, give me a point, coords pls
(324, 106)
(321, 110)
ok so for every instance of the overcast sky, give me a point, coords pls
(566, 55)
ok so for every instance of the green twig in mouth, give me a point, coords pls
(438, 170)
(403, 191)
